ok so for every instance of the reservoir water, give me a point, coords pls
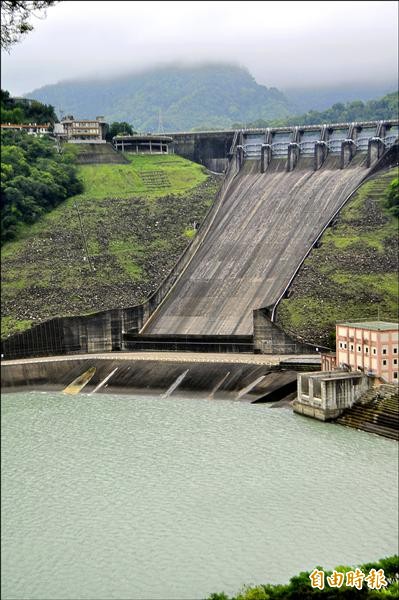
(124, 497)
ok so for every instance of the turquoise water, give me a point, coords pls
(125, 497)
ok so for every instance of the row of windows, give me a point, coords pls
(343, 345)
(84, 125)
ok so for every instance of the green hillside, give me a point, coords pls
(321, 98)
(349, 112)
(211, 96)
(109, 246)
(353, 275)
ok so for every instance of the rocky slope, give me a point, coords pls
(353, 274)
(99, 251)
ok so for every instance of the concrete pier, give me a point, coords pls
(325, 395)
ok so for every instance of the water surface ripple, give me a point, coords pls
(121, 497)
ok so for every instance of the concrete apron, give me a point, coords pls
(243, 378)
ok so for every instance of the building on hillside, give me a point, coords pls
(78, 131)
(140, 143)
(369, 346)
(36, 129)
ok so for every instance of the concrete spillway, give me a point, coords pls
(264, 226)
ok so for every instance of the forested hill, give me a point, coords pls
(212, 96)
(373, 110)
(24, 111)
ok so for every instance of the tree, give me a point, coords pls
(117, 128)
(34, 179)
(15, 15)
(393, 197)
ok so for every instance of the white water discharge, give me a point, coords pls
(174, 385)
(134, 498)
(249, 387)
(218, 385)
(103, 382)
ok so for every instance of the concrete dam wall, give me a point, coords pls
(265, 225)
(281, 190)
(249, 381)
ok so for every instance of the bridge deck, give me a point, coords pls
(265, 226)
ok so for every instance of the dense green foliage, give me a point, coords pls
(393, 197)
(117, 128)
(24, 111)
(213, 96)
(299, 587)
(373, 110)
(34, 179)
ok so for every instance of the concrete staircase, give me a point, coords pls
(376, 412)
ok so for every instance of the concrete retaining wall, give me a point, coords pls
(151, 376)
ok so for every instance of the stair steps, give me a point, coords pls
(376, 412)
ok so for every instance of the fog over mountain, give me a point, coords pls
(283, 44)
(175, 98)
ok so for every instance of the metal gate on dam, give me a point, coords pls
(282, 189)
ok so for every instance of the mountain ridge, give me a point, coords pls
(212, 95)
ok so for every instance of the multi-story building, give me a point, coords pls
(83, 130)
(37, 129)
(369, 346)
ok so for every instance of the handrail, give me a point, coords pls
(389, 122)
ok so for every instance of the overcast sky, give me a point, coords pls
(283, 44)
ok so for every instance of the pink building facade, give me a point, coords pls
(369, 346)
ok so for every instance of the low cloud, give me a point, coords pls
(283, 44)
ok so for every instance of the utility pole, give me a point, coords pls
(160, 123)
(84, 237)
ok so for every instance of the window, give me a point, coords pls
(395, 361)
(395, 350)
(367, 350)
(351, 347)
(374, 351)
(395, 375)
(358, 348)
(384, 350)
(384, 362)
(345, 346)
(340, 344)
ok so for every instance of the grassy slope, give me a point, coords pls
(137, 220)
(354, 273)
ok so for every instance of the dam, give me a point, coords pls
(141, 490)
(266, 224)
(282, 188)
